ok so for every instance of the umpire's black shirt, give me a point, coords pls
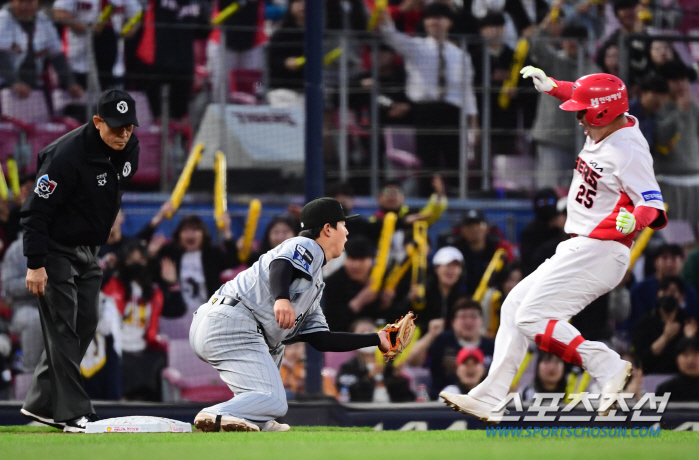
(77, 193)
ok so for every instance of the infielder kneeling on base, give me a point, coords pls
(243, 328)
(613, 194)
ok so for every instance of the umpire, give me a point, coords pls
(75, 201)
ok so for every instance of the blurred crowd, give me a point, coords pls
(442, 67)
(153, 283)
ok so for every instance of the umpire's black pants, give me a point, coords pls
(69, 315)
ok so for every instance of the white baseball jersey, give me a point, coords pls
(87, 11)
(252, 288)
(615, 173)
(14, 39)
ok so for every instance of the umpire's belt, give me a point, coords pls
(223, 300)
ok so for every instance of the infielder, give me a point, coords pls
(613, 195)
(243, 328)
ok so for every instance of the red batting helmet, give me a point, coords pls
(602, 95)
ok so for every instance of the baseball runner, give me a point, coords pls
(243, 328)
(613, 195)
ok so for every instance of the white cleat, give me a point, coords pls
(208, 422)
(273, 425)
(613, 387)
(471, 406)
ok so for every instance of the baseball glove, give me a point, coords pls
(399, 335)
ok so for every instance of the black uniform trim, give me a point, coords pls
(336, 341)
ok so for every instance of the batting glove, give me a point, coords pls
(542, 83)
(625, 222)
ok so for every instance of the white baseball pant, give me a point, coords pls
(539, 308)
(228, 338)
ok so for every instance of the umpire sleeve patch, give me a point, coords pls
(303, 257)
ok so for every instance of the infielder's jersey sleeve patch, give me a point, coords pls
(303, 257)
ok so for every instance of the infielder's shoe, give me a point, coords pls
(471, 406)
(45, 420)
(273, 425)
(208, 422)
(79, 424)
(612, 387)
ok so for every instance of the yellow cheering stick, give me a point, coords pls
(420, 264)
(13, 176)
(495, 265)
(520, 55)
(131, 23)
(379, 7)
(104, 14)
(254, 211)
(398, 271)
(3, 186)
(522, 368)
(555, 13)
(227, 12)
(220, 202)
(183, 181)
(389, 227)
(330, 57)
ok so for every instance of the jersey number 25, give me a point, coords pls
(585, 195)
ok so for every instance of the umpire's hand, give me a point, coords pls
(36, 281)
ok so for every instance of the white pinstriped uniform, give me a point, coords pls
(245, 343)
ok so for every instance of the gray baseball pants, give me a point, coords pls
(228, 338)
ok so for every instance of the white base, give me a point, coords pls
(138, 424)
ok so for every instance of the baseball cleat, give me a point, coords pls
(273, 425)
(471, 406)
(612, 387)
(208, 422)
(45, 420)
(79, 424)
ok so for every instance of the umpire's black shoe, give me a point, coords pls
(45, 420)
(78, 424)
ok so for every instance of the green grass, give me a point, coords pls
(311, 443)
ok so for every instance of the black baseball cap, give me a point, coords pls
(117, 108)
(473, 216)
(323, 211)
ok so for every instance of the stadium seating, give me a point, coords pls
(244, 86)
(21, 385)
(187, 378)
(678, 232)
(509, 172)
(32, 117)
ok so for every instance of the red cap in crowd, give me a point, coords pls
(469, 352)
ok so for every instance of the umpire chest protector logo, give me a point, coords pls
(127, 169)
(122, 107)
(45, 186)
(303, 257)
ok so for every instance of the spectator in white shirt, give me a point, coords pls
(437, 74)
(27, 39)
(79, 17)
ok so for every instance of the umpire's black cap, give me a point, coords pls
(322, 211)
(117, 108)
